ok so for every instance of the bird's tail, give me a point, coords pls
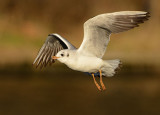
(110, 67)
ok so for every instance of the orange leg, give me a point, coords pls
(101, 81)
(99, 88)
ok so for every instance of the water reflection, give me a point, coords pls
(75, 93)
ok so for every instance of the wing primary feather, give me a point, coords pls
(40, 58)
(39, 61)
(39, 53)
(48, 56)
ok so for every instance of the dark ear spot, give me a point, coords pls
(68, 55)
(62, 55)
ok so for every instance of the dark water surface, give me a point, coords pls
(74, 93)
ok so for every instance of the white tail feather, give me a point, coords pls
(110, 66)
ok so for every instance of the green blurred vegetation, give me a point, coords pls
(25, 25)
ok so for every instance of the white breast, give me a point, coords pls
(84, 63)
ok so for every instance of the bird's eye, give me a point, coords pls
(62, 55)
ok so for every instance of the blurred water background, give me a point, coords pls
(58, 90)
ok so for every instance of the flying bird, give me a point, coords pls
(88, 57)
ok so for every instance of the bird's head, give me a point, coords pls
(63, 56)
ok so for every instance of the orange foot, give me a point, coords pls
(101, 81)
(99, 88)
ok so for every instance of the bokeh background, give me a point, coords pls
(24, 90)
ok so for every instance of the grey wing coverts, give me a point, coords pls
(97, 30)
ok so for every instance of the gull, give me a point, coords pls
(88, 57)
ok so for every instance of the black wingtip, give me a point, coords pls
(50, 34)
(148, 15)
(33, 65)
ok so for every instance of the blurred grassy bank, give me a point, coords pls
(26, 24)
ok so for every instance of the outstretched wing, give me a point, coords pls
(97, 30)
(53, 44)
